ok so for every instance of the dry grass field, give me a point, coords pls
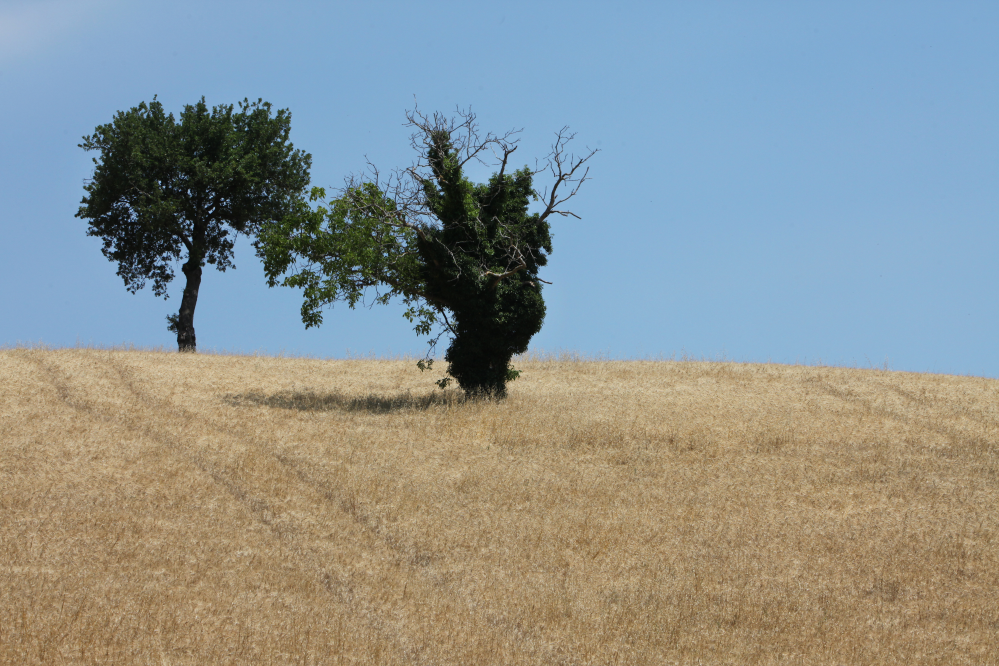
(159, 508)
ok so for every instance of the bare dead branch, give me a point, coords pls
(447, 321)
(462, 133)
(496, 277)
(563, 169)
(516, 255)
(506, 156)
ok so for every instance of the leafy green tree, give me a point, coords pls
(164, 190)
(461, 255)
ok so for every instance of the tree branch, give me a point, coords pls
(557, 164)
(496, 277)
(463, 135)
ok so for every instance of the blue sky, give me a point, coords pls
(785, 181)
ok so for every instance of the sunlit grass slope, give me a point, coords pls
(158, 508)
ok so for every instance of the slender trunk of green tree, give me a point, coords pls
(186, 341)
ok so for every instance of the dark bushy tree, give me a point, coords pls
(163, 190)
(459, 254)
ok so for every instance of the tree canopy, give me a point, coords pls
(461, 255)
(165, 190)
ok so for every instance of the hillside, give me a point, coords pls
(197, 509)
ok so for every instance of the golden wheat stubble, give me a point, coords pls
(177, 508)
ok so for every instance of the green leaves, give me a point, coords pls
(460, 255)
(341, 249)
(164, 189)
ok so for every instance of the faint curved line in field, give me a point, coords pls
(336, 583)
(954, 434)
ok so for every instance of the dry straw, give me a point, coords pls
(206, 509)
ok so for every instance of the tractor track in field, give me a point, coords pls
(355, 524)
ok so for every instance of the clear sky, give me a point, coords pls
(786, 181)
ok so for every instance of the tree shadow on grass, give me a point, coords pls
(312, 401)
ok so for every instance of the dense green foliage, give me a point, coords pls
(459, 254)
(482, 263)
(164, 190)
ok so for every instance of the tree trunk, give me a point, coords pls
(480, 368)
(185, 319)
